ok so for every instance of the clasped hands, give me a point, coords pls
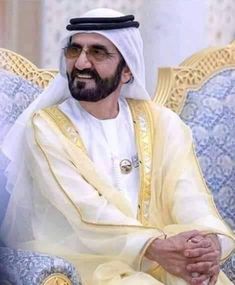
(192, 256)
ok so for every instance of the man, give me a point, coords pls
(109, 183)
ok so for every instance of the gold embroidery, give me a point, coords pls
(65, 125)
(75, 206)
(143, 125)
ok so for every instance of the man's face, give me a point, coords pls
(94, 67)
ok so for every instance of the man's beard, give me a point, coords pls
(104, 87)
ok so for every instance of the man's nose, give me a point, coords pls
(83, 61)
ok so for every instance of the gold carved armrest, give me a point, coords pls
(57, 279)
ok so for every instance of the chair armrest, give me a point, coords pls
(31, 268)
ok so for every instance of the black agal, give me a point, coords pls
(100, 23)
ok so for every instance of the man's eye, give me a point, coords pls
(75, 49)
(98, 52)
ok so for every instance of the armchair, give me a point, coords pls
(20, 83)
(202, 91)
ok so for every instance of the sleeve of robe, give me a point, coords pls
(190, 203)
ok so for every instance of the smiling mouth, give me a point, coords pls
(84, 76)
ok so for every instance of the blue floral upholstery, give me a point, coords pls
(229, 268)
(28, 268)
(16, 266)
(210, 112)
(16, 94)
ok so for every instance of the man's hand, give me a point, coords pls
(205, 264)
(171, 254)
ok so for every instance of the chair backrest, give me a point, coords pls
(19, 65)
(20, 83)
(202, 91)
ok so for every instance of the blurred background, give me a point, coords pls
(172, 30)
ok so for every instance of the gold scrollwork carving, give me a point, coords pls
(17, 64)
(174, 83)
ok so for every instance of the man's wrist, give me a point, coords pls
(154, 250)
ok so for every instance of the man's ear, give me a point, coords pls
(126, 75)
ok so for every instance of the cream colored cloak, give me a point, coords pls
(61, 204)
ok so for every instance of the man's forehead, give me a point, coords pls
(91, 39)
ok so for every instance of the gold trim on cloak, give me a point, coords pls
(65, 125)
(143, 125)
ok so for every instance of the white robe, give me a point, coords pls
(108, 142)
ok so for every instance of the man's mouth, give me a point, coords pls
(84, 76)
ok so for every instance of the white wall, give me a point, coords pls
(172, 31)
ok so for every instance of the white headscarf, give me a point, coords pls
(129, 43)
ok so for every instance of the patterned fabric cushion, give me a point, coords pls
(229, 268)
(210, 112)
(29, 268)
(16, 94)
(22, 267)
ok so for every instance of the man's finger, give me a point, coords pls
(198, 280)
(212, 256)
(188, 276)
(197, 252)
(190, 234)
(201, 267)
(213, 279)
(214, 270)
(204, 243)
(197, 238)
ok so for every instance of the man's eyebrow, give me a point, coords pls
(96, 46)
(99, 46)
(75, 45)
